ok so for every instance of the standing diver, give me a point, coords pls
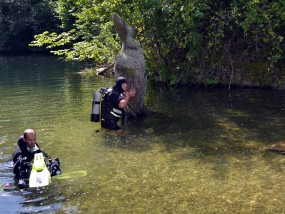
(114, 102)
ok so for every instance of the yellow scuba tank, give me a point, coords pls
(96, 105)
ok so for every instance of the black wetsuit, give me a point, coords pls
(111, 113)
(22, 157)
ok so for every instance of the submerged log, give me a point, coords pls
(278, 147)
(103, 71)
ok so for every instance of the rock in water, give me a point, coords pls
(131, 64)
(277, 147)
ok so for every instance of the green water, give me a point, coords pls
(201, 151)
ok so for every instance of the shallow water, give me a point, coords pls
(201, 151)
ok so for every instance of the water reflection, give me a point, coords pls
(200, 151)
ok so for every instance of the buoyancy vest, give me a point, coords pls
(109, 108)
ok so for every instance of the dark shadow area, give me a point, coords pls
(214, 125)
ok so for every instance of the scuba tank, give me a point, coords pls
(95, 113)
(96, 105)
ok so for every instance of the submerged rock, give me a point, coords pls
(277, 147)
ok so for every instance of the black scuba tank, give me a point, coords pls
(96, 105)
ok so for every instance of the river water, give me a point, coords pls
(201, 151)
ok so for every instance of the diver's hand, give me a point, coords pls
(132, 93)
(129, 94)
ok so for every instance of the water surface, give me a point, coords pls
(201, 151)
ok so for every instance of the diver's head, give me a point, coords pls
(30, 137)
(119, 84)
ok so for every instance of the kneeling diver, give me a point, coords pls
(114, 102)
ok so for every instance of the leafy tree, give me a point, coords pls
(86, 34)
(198, 41)
(20, 20)
(245, 38)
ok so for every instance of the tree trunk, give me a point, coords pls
(131, 64)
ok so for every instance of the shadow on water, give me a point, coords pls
(207, 135)
(232, 129)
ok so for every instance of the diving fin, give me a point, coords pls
(40, 175)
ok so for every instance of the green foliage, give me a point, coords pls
(21, 19)
(198, 41)
(87, 32)
(211, 82)
(244, 32)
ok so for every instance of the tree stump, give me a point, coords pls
(130, 63)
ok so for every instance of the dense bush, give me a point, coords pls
(193, 41)
(20, 20)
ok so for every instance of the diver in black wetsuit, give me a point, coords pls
(114, 102)
(24, 154)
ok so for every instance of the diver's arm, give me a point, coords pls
(124, 102)
(126, 98)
